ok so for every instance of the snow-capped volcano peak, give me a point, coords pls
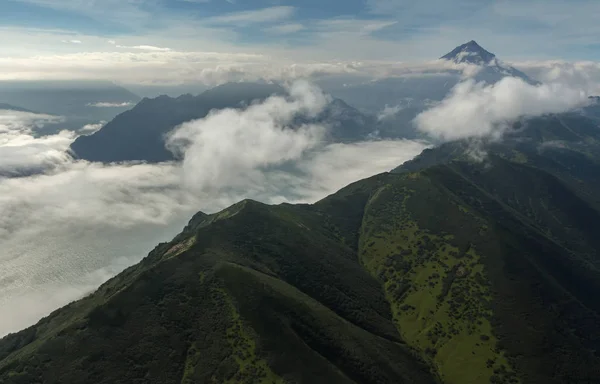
(470, 53)
(492, 69)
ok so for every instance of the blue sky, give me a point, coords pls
(538, 28)
(299, 30)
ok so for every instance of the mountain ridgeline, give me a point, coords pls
(139, 134)
(75, 100)
(356, 113)
(453, 268)
(9, 107)
(414, 94)
(492, 69)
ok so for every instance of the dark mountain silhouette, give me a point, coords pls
(139, 134)
(79, 101)
(471, 53)
(8, 107)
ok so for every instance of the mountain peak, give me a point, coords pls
(470, 53)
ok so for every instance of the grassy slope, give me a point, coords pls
(437, 286)
(439, 303)
(491, 268)
(487, 273)
(255, 294)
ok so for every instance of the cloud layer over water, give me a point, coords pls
(72, 224)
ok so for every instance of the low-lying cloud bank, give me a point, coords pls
(482, 110)
(584, 75)
(21, 151)
(150, 65)
(170, 67)
(106, 104)
(71, 224)
(234, 146)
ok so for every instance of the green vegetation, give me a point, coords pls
(439, 296)
(519, 157)
(447, 271)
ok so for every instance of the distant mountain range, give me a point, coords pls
(139, 134)
(80, 102)
(373, 96)
(476, 262)
(412, 94)
(357, 112)
(8, 107)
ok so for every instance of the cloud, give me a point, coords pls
(258, 16)
(379, 29)
(232, 145)
(130, 13)
(67, 231)
(479, 110)
(88, 129)
(284, 29)
(21, 151)
(104, 104)
(25, 154)
(338, 165)
(145, 48)
(74, 224)
(210, 68)
(389, 111)
(84, 194)
(33, 301)
(584, 75)
(352, 25)
(72, 41)
(135, 67)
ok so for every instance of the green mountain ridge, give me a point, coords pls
(446, 270)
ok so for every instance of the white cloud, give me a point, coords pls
(72, 41)
(338, 165)
(581, 74)
(65, 232)
(258, 16)
(352, 25)
(21, 151)
(24, 154)
(105, 104)
(145, 48)
(284, 29)
(480, 110)
(177, 67)
(125, 12)
(88, 129)
(231, 146)
(417, 30)
(135, 67)
(389, 111)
